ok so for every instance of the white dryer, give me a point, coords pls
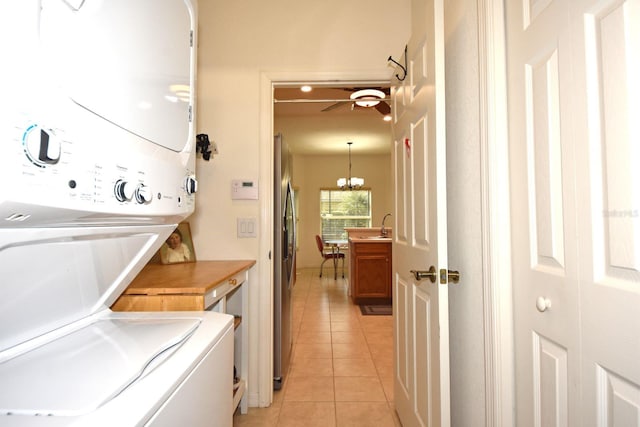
(97, 165)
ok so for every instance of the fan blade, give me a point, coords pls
(383, 108)
(334, 106)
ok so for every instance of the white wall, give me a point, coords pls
(238, 42)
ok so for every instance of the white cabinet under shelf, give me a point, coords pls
(233, 300)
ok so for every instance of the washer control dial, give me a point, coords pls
(191, 184)
(123, 190)
(143, 194)
(41, 146)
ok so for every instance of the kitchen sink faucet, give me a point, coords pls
(383, 231)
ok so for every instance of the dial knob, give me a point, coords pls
(123, 190)
(191, 184)
(143, 194)
(41, 146)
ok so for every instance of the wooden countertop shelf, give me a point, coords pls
(187, 278)
(182, 287)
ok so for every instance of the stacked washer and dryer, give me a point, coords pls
(97, 166)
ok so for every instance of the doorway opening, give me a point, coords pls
(317, 125)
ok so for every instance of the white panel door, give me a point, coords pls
(421, 319)
(608, 185)
(574, 150)
(543, 216)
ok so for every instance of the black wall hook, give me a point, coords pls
(404, 68)
(202, 145)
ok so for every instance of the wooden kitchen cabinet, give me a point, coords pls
(220, 286)
(370, 270)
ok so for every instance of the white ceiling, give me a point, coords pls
(310, 130)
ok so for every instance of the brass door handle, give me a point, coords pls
(430, 274)
(453, 276)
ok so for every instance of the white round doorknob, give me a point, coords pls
(542, 304)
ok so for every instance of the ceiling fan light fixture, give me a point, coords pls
(367, 97)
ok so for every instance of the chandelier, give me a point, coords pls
(350, 183)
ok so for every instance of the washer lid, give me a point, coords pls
(81, 371)
(54, 277)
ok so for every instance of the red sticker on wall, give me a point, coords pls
(407, 145)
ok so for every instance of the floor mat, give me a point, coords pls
(376, 310)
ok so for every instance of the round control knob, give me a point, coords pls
(41, 146)
(143, 194)
(123, 190)
(542, 304)
(191, 184)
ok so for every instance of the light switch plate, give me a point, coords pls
(247, 227)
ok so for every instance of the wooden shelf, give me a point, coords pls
(238, 393)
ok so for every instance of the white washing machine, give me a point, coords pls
(68, 360)
(97, 165)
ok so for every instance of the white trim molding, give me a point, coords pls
(498, 316)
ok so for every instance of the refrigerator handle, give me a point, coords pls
(293, 239)
(285, 240)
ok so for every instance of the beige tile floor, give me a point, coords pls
(341, 370)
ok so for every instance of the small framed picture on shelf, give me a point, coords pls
(178, 247)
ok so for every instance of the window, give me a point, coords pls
(341, 209)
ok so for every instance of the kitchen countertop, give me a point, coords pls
(369, 239)
(185, 278)
(360, 234)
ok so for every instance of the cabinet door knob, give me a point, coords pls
(542, 304)
(233, 282)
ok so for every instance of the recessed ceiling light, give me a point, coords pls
(306, 88)
(387, 118)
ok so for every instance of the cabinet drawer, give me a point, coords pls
(368, 248)
(215, 294)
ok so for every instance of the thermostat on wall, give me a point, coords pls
(244, 189)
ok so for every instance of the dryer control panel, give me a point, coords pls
(95, 129)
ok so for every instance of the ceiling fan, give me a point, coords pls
(365, 98)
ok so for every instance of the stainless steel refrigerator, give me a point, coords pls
(284, 259)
